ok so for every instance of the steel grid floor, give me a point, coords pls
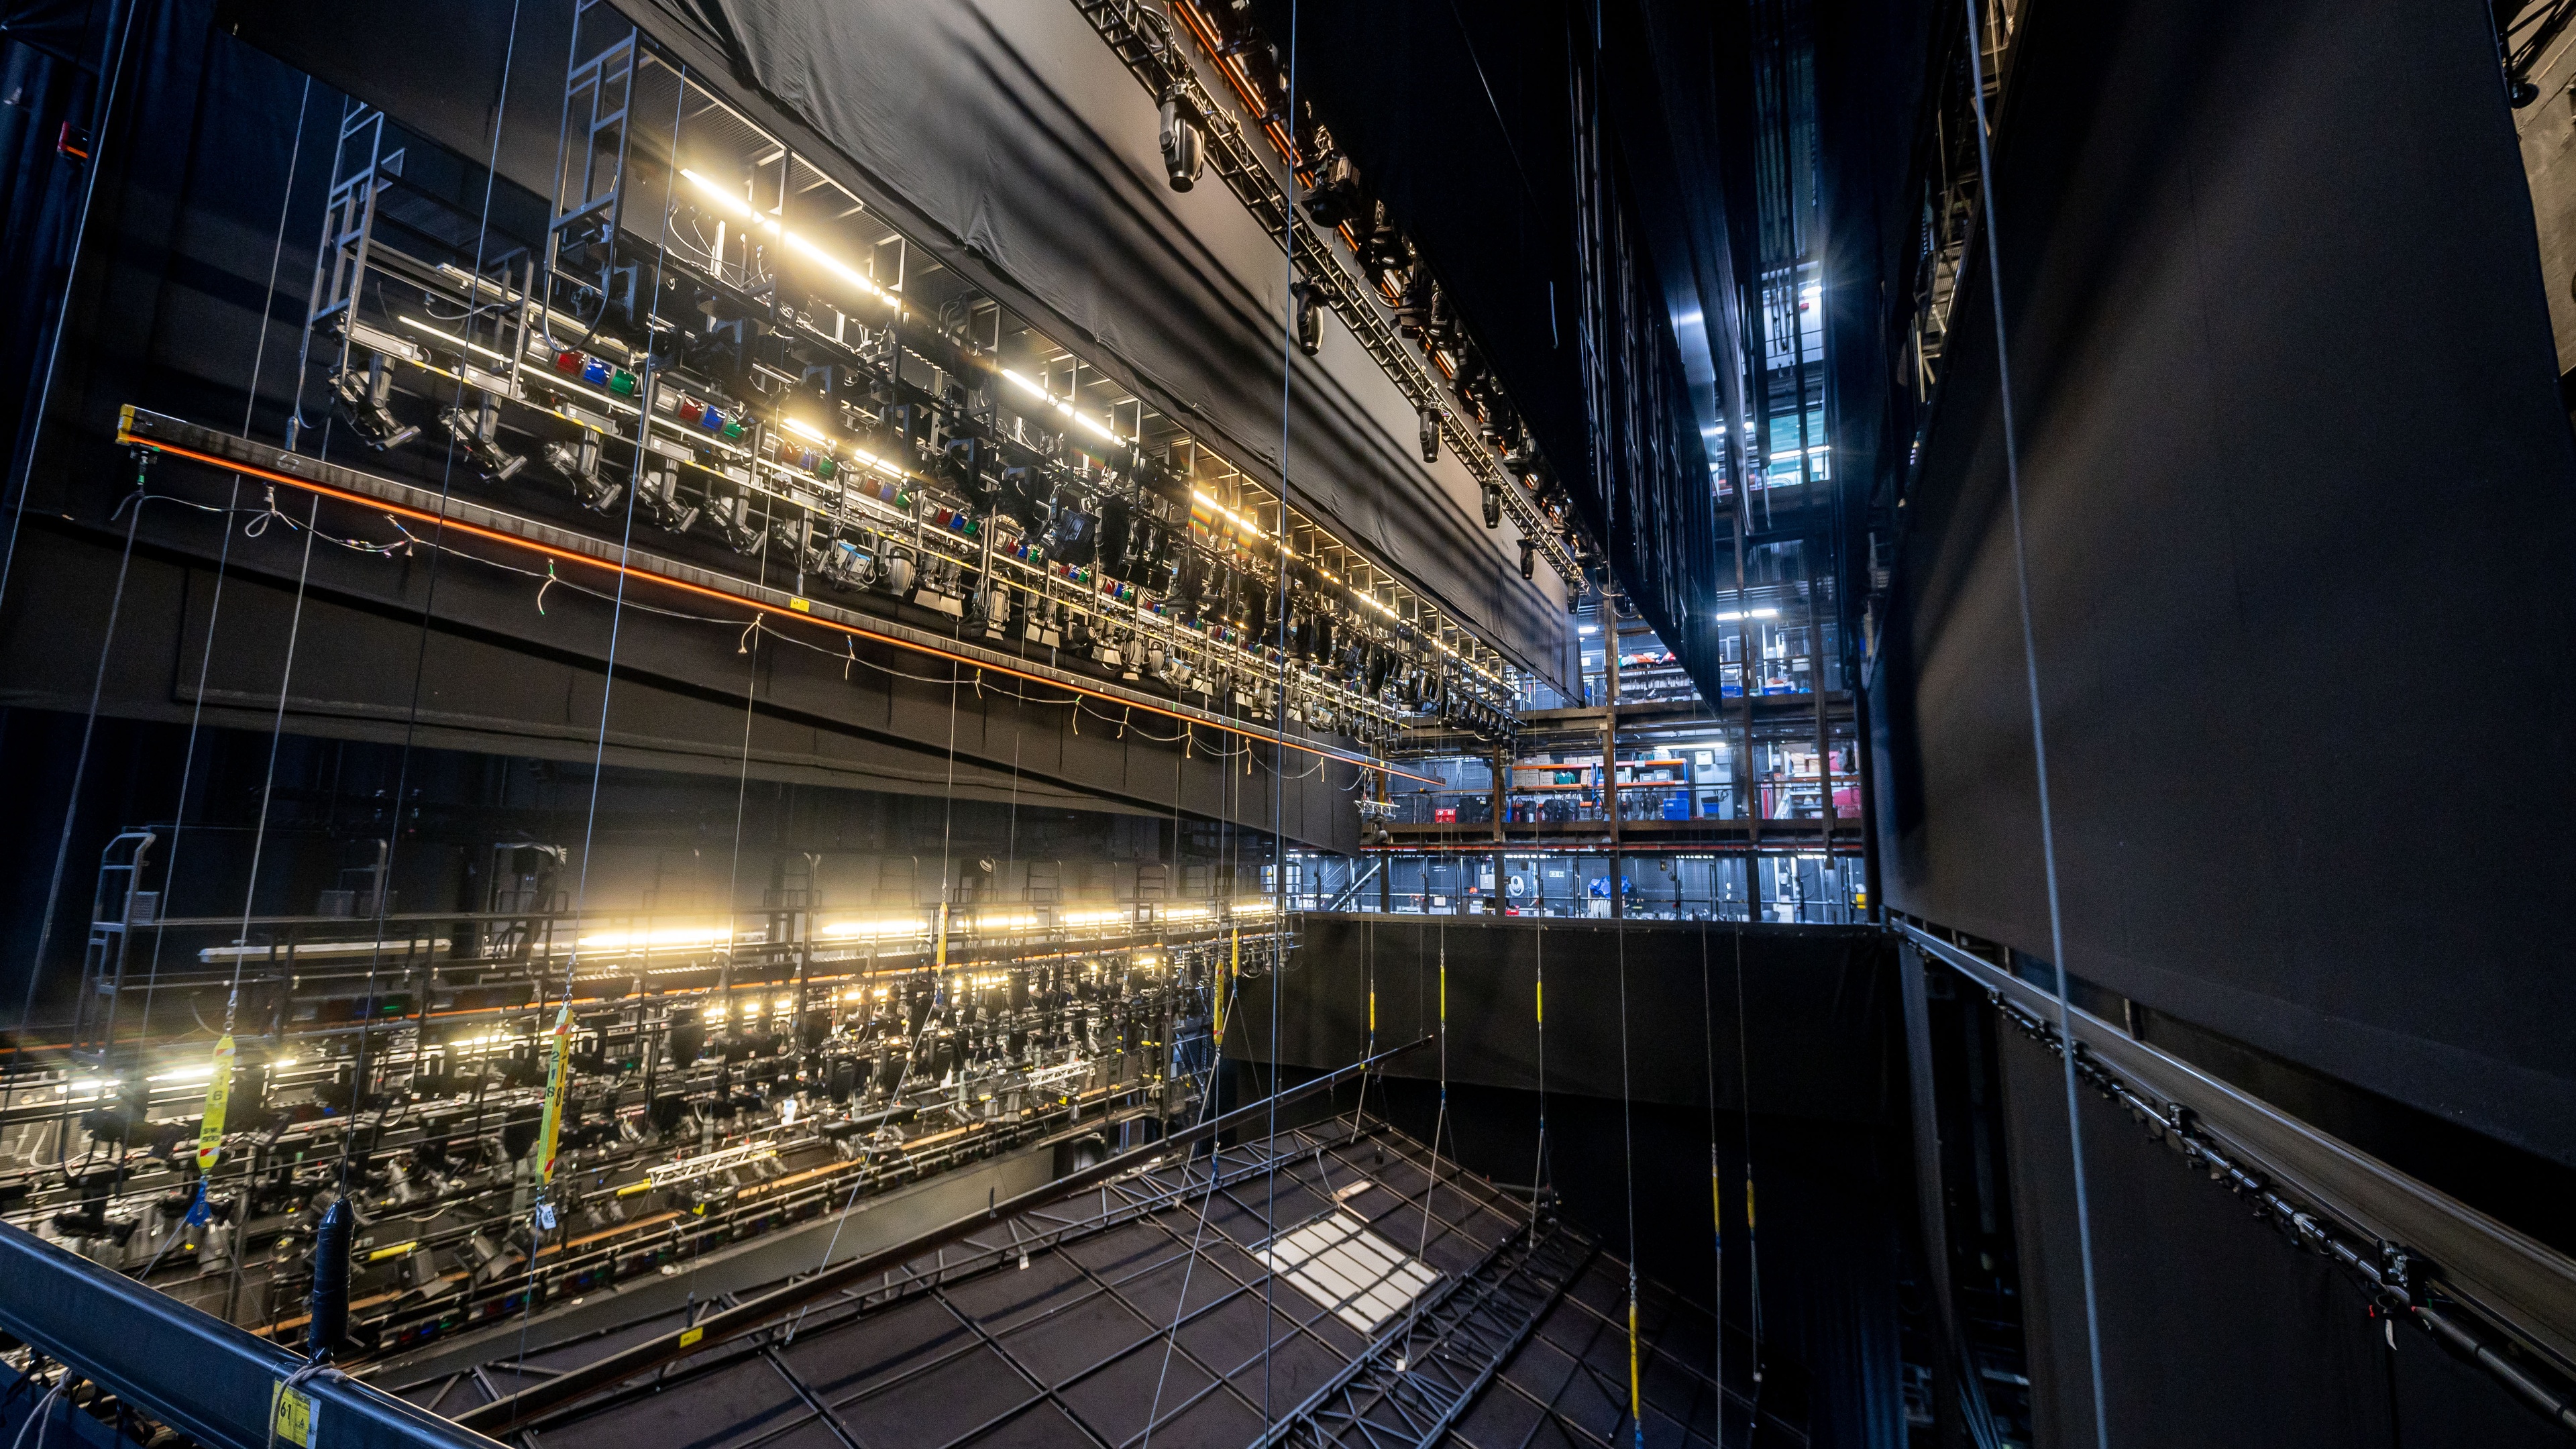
(1141, 1314)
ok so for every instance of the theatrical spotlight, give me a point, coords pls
(1493, 505)
(1184, 141)
(478, 436)
(363, 396)
(1529, 557)
(1335, 199)
(578, 462)
(1430, 435)
(1308, 315)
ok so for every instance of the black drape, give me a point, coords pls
(2299, 504)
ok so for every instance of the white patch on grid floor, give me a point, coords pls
(1335, 1260)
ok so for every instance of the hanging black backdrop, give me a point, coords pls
(2299, 505)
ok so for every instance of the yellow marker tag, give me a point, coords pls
(1541, 999)
(1636, 1376)
(800, 606)
(396, 1251)
(291, 1415)
(689, 1337)
(219, 1088)
(555, 1085)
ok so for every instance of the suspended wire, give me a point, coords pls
(1278, 792)
(259, 840)
(72, 799)
(1628, 1173)
(1539, 1173)
(33, 424)
(223, 563)
(1752, 1238)
(607, 698)
(420, 655)
(2038, 730)
(1716, 1186)
(1439, 1122)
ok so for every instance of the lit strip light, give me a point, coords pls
(796, 242)
(127, 438)
(1732, 616)
(1066, 408)
(1239, 521)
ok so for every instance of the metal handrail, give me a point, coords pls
(211, 1381)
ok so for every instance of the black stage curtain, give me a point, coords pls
(2299, 501)
(2216, 1331)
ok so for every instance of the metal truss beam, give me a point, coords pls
(1415, 1380)
(1153, 54)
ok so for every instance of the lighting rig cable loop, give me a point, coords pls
(2038, 723)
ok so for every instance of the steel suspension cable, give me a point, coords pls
(2038, 724)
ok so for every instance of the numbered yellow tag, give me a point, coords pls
(555, 1085)
(291, 1417)
(210, 1133)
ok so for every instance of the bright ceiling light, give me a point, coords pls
(795, 242)
(682, 936)
(1230, 516)
(844, 930)
(805, 429)
(1084, 419)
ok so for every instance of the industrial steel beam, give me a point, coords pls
(213, 1382)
